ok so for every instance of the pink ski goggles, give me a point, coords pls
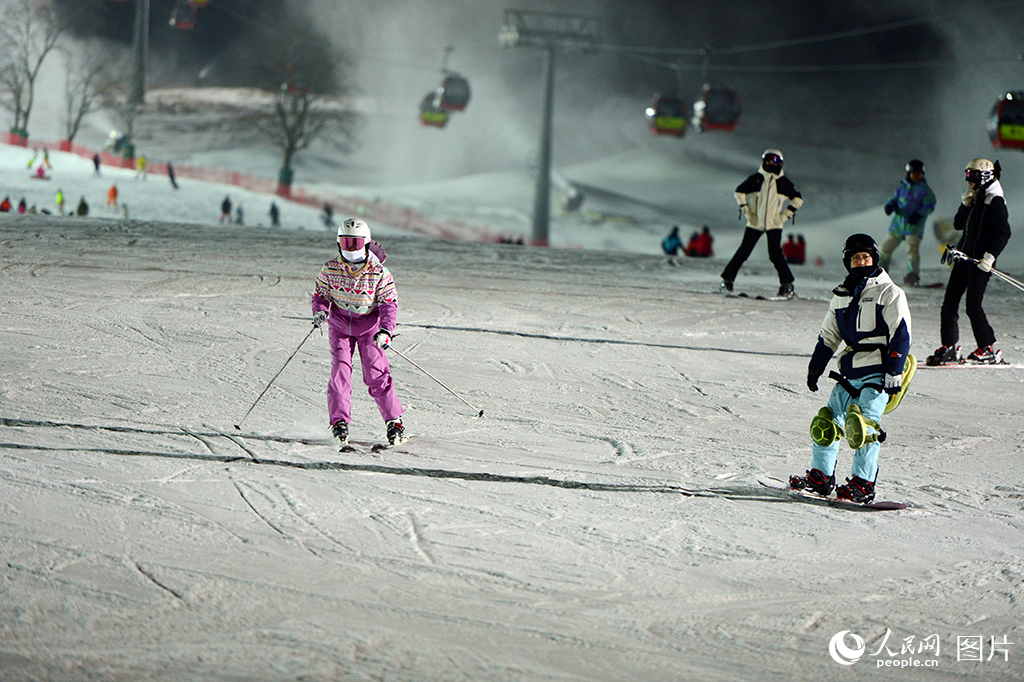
(351, 243)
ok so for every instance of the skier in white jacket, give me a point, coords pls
(768, 199)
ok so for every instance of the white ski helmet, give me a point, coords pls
(354, 227)
(981, 172)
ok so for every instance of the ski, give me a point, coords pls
(371, 448)
(762, 297)
(813, 498)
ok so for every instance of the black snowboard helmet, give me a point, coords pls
(857, 243)
(915, 166)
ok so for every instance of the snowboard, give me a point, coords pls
(814, 498)
(971, 365)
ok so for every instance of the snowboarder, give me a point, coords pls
(170, 175)
(96, 162)
(672, 244)
(225, 210)
(910, 205)
(275, 215)
(239, 215)
(112, 196)
(83, 207)
(59, 200)
(140, 164)
(869, 318)
(355, 296)
(5, 205)
(22, 205)
(984, 221)
(767, 199)
(328, 215)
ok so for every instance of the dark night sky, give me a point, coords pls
(724, 24)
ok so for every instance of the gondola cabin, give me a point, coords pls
(431, 112)
(1006, 122)
(454, 92)
(668, 115)
(717, 109)
(183, 16)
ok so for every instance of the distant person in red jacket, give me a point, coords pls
(702, 244)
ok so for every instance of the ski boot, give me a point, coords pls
(985, 356)
(726, 287)
(857, 428)
(340, 432)
(815, 481)
(857, 490)
(396, 432)
(944, 355)
(912, 279)
(786, 290)
(824, 430)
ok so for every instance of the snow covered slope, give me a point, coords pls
(603, 521)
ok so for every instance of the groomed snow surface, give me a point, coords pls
(602, 521)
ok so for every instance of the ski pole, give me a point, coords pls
(294, 353)
(957, 254)
(400, 353)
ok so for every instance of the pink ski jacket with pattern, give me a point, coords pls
(358, 297)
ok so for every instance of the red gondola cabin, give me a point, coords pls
(1006, 122)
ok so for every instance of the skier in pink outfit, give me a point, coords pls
(355, 296)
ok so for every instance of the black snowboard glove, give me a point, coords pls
(813, 374)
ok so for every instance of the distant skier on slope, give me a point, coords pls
(355, 296)
(910, 205)
(984, 220)
(767, 199)
(869, 317)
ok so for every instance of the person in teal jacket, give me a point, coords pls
(910, 205)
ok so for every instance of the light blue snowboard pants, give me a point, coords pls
(872, 403)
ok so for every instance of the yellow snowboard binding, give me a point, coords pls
(909, 368)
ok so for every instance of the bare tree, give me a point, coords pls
(300, 70)
(86, 84)
(29, 32)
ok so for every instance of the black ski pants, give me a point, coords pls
(750, 238)
(965, 278)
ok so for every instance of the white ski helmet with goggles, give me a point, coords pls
(353, 236)
(981, 172)
(771, 160)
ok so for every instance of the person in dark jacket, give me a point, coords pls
(225, 210)
(767, 199)
(984, 221)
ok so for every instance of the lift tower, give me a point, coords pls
(550, 32)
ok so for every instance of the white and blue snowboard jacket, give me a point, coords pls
(874, 325)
